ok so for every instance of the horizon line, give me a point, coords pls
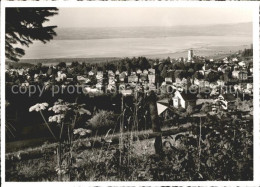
(217, 24)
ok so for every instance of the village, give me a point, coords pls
(197, 100)
(225, 84)
(129, 94)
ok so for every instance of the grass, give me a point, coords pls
(43, 169)
(51, 146)
(137, 160)
(38, 163)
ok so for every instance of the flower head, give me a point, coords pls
(56, 118)
(38, 107)
(81, 131)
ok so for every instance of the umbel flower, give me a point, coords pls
(38, 107)
(58, 108)
(56, 118)
(82, 132)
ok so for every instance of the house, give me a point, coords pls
(122, 87)
(69, 79)
(226, 101)
(214, 85)
(225, 60)
(177, 80)
(152, 87)
(234, 60)
(226, 77)
(196, 82)
(242, 64)
(251, 70)
(242, 75)
(221, 68)
(138, 88)
(145, 72)
(111, 88)
(151, 71)
(122, 76)
(117, 72)
(99, 86)
(206, 84)
(184, 81)
(151, 78)
(168, 80)
(99, 75)
(111, 80)
(25, 84)
(133, 73)
(132, 78)
(202, 72)
(126, 92)
(249, 86)
(162, 105)
(206, 67)
(110, 73)
(138, 71)
(235, 74)
(91, 73)
(220, 82)
(143, 77)
(183, 99)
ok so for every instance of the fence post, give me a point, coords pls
(155, 123)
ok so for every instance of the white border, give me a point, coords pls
(255, 7)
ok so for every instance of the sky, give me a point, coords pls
(136, 17)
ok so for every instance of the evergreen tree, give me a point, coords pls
(23, 25)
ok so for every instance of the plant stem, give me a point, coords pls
(48, 125)
(61, 130)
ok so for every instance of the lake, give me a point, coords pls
(128, 42)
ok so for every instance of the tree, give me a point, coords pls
(74, 64)
(205, 108)
(212, 77)
(143, 63)
(198, 75)
(23, 25)
(155, 123)
(179, 74)
(190, 72)
(62, 65)
(189, 110)
(164, 72)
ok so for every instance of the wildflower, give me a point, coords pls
(58, 108)
(56, 118)
(38, 107)
(81, 131)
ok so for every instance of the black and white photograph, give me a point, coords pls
(138, 93)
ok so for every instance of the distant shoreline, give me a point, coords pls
(216, 52)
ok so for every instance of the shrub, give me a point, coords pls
(103, 119)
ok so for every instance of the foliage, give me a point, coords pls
(247, 53)
(189, 110)
(212, 76)
(23, 25)
(103, 119)
(221, 151)
(66, 116)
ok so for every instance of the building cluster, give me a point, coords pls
(236, 82)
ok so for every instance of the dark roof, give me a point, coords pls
(229, 97)
(188, 96)
(163, 102)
